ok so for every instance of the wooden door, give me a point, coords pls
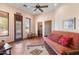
(18, 27)
(48, 27)
(40, 29)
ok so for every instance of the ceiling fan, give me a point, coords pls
(37, 7)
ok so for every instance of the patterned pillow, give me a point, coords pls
(65, 41)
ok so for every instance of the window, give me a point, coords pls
(4, 23)
(27, 25)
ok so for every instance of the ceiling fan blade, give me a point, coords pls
(28, 6)
(25, 5)
(41, 10)
(35, 9)
(45, 6)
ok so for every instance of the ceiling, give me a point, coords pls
(51, 7)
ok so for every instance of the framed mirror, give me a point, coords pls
(4, 23)
(70, 23)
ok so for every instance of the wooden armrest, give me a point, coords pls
(72, 52)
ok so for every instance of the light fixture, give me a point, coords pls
(55, 4)
(33, 12)
(28, 6)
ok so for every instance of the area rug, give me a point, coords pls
(36, 50)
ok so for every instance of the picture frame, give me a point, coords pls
(4, 23)
(70, 24)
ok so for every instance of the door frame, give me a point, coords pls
(41, 29)
(19, 18)
(50, 25)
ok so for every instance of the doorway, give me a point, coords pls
(48, 27)
(40, 29)
(18, 27)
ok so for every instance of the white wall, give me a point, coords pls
(11, 11)
(65, 12)
(44, 17)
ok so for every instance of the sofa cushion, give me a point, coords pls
(54, 37)
(50, 36)
(66, 41)
(59, 49)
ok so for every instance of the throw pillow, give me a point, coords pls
(65, 41)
